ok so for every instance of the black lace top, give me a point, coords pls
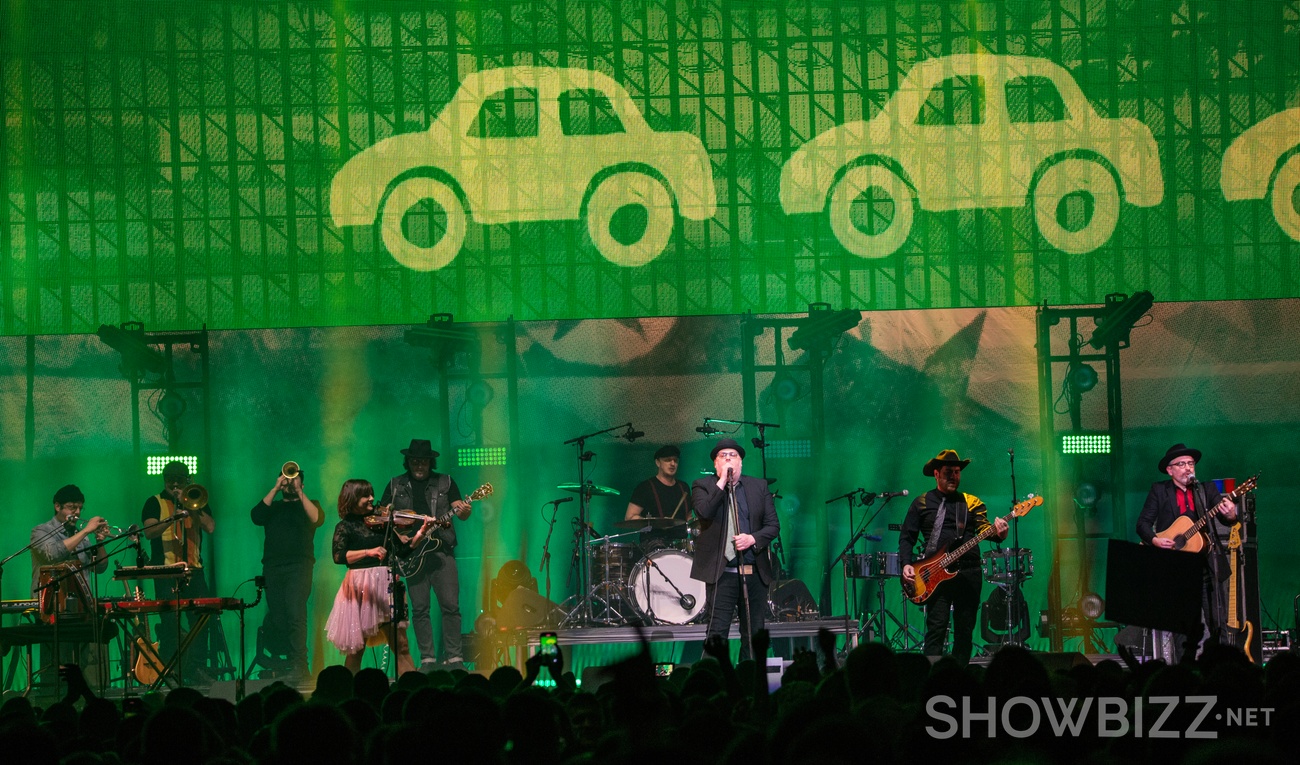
(353, 534)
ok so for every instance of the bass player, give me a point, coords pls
(946, 516)
(1182, 496)
(424, 492)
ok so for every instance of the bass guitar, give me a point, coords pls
(932, 571)
(1234, 633)
(411, 564)
(1187, 534)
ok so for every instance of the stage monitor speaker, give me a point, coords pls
(1150, 587)
(790, 601)
(525, 609)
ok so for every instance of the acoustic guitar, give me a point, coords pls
(933, 571)
(148, 665)
(1187, 534)
(1234, 633)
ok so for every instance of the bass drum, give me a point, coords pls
(666, 573)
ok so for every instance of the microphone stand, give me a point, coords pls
(584, 510)
(1013, 583)
(545, 565)
(734, 509)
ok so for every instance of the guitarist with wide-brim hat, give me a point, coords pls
(425, 492)
(945, 517)
(1181, 501)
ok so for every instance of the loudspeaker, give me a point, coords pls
(525, 609)
(790, 601)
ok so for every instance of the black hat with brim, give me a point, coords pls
(1176, 451)
(419, 449)
(945, 457)
(727, 443)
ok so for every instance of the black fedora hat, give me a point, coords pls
(945, 457)
(667, 452)
(726, 443)
(419, 449)
(1176, 451)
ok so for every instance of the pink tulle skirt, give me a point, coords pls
(362, 607)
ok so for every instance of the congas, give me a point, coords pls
(613, 561)
(999, 565)
(662, 589)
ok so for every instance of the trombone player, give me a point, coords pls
(288, 555)
(180, 540)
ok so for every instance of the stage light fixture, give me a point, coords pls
(1085, 443)
(785, 388)
(1086, 496)
(154, 463)
(1120, 314)
(480, 393)
(789, 448)
(479, 456)
(1083, 377)
(1092, 606)
(172, 405)
(440, 333)
(138, 356)
(822, 326)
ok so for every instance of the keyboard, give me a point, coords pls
(133, 607)
(18, 606)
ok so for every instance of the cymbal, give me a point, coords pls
(654, 523)
(589, 488)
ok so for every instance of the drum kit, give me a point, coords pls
(641, 574)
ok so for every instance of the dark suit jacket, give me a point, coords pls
(1161, 509)
(711, 509)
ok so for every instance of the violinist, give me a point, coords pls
(363, 607)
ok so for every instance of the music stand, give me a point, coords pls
(1150, 587)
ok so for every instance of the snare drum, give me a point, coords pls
(1000, 564)
(613, 561)
(673, 597)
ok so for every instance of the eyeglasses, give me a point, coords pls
(729, 455)
(1183, 464)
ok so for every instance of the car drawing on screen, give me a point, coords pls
(976, 131)
(528, 143)
(1264, 162)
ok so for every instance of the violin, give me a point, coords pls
(386, 514)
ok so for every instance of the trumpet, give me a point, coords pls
(290, 470)
(193, 497)
(116, 531)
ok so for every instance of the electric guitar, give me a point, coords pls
(411, 564)
(1234, 633)
(932, 571)
(1186, 533)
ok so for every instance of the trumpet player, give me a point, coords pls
(59, 540)
(176, 519)
(290, 522)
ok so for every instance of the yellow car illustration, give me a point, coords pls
(1263, 162)
(977, 131)
(530, 143)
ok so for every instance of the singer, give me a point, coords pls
(1183, 495)
(945, 516)
(662, 496)
(179, 541)
(733, 537)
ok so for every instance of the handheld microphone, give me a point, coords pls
(632, 435)
(560, 501)
(707, 429)
(1191, 480)
(892, 494)
(731, 481)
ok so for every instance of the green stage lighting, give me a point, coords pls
(479, 456)
(154, 463)
(1085, 443)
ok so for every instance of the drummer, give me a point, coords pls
(663, 501)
